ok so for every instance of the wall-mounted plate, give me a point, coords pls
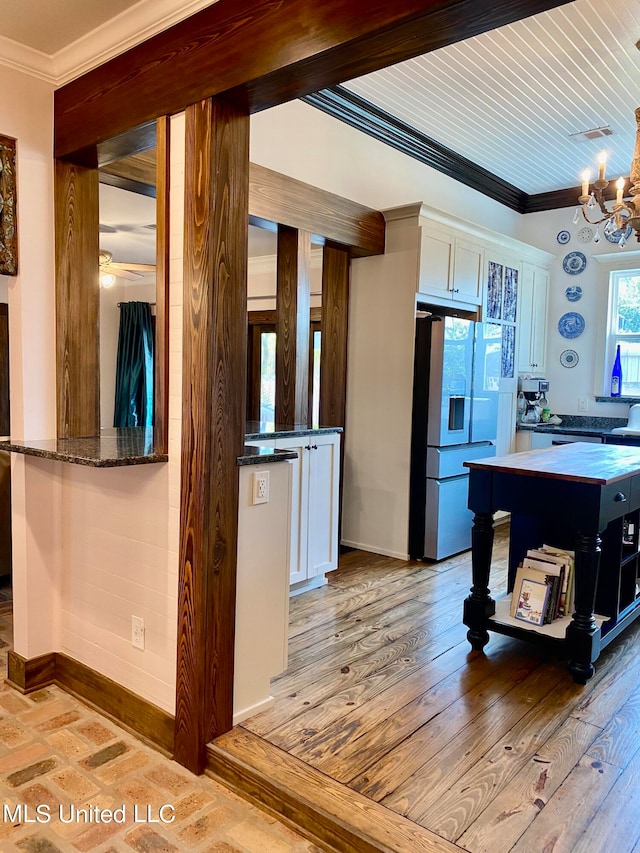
(571, 325)
(574, 263)
(563, 237)
(585, 235)
(573, 293)
(569, 358)
(614, 236)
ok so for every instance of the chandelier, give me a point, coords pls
(624, 214)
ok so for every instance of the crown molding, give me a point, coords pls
(344, 105)
(25, 59)
(115, 36)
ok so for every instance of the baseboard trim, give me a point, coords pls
(251, 711)
(29, 674)
(324, 811)
(143, 718)
(370, 549)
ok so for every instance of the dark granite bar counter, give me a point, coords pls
(113, 448)
(265, 429)
(265, 455)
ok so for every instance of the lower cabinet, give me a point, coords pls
(315, 498)
(315, 493)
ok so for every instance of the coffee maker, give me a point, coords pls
(532, 399)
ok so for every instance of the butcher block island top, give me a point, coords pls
(579, 462)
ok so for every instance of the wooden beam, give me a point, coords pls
(333, 355)
(269, 53)
(140, 168)
(161, 357)
(278, 198)
(293, 300)
(77, 300)
(213, 419)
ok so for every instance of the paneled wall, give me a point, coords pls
(120, 531)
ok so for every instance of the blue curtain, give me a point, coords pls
(134, 369)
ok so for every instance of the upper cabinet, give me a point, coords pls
(532, 320)
(450, 266)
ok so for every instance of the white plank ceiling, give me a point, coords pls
(510, 99)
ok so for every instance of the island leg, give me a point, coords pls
(479, 605)
(583, 635)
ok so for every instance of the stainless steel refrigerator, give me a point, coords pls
(455, 413)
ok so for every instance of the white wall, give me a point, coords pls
(26, 110)
(568, 385)
(305, 143)
(121, 529)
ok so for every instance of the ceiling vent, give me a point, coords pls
(594, 133)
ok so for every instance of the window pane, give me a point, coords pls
(267, 376)
(630, 361)
(628, 316)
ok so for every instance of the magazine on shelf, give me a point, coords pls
(553, 568)
(531, 598)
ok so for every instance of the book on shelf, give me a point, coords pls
(548, 567)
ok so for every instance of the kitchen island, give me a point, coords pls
(575, 496)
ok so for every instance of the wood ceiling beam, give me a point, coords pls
(278, 199)
(267, 53)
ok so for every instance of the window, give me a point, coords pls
(624, 329)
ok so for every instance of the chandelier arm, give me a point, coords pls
(596, 221)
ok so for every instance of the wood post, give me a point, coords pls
(292, 326)
(77, 300)
(335, 316)
(213, 419)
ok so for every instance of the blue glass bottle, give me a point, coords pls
(616, 375)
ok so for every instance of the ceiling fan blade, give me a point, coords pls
(136, 267)
(115, 269)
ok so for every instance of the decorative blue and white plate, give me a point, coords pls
(614, 236)
(563, 237)
(571, 325)
(574, 263)
(569, 358)
(573, 293)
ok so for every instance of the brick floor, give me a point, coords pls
(57, 754)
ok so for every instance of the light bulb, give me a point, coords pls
(107, 279)
(620, 190)
(586, 180)
(602, 165)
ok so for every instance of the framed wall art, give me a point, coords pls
(8, 213)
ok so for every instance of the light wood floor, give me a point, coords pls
(490, 752)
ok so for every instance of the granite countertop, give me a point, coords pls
(578, 425)
(264, 429)
(113, 448)
(265, 455)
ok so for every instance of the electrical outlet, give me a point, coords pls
(583, 404)
(137, 632)
(260, 487)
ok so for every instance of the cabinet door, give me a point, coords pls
(532, 319)
(324, 473)
(468, 265)
(538, 345)
(299, 506)
(436, 253)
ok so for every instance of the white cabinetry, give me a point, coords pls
(315, 498)
(532, 319)
(314, 504)
(450, 266)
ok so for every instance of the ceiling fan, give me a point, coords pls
(109, 270)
